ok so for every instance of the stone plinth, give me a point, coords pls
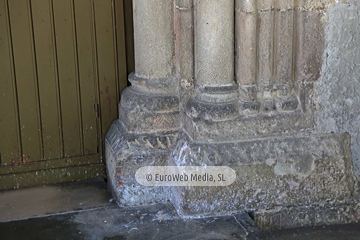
(295, 170)
(125, 153)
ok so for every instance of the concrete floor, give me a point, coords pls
(85, 210)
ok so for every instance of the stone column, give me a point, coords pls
(154, 39)
(246, 54)
(149, 118)
(151, 103)
(284, 17)
(265, 77)
(216, 96)
(214, 50)
(284, 61)
(264, 57)
(184, 50)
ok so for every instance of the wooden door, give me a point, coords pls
(62, 68)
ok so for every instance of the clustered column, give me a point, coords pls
(264, 58)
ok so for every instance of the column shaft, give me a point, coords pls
(154, 38)
(216, 93)
(284, 60)
(266, 42)
(246, 42)
(284, 42)
(214, 42)
(246, 54)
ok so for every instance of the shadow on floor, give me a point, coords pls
(102, 219)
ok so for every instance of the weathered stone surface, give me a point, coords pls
(308, 216)
(249, 127)
(184, 50)
(310, 37)
(246, 47)
(125, 154)
(266, 48)
(149, 112)
(284, 35)
(278, 171)
(160, 85)
(154, 38)
(279, 114)
(316, 5)
(337, 90)
(184, 42)
(214, 42)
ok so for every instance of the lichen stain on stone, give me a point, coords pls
(318, 5)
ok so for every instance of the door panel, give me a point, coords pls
(68, 77)
(106, 57)
(26, 80)
(85, 36)
(46, 63)
(62, 68)
(9, 116)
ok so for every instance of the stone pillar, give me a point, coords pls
(184, 50)
(246, 54)
(151, 103)
(154, 39)
(149, 109)
(284, 82)
(266, 54)
(214, 50)
(216, 94)
(284, 40)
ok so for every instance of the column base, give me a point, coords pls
(247, 127)
(295, 170)
(271, 98)
(143, 112)
(249, 118)
(125, 153)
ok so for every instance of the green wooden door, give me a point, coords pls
(62, 68)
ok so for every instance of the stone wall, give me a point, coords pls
(338, 89)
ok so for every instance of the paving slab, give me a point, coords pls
(159, 222)
(53, 199)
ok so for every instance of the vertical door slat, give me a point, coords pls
(106, 63)
(10, 148)
(68, 79)
(120, 44)
(26, 79)
(47, 77)
(86, 60)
